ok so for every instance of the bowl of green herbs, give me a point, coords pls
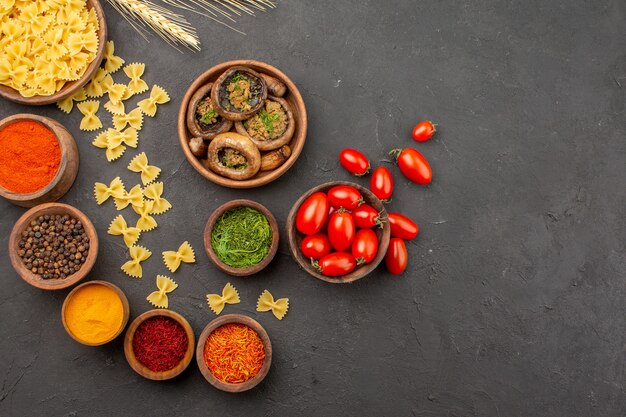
(241, 237)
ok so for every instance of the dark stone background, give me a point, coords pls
(513, 303)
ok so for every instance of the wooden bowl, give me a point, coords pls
(70, 87)
(240, 272)
(227, 386)
(140, 368)
(296, 144)
(125, 309)
(68, 168)
(295, 237)
(57, 283)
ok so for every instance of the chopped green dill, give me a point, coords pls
(206, 117)
(268, 120)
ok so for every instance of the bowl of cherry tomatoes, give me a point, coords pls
(338, 232)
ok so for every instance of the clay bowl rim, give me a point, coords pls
(34, 279)
(125, 311)
(229, 205)
(294, 237)
(59, 131)
(267, 344)
(298, 140)
(70, 87)
(141, 369)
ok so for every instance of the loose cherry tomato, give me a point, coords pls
(402, 226)
(315, 246)
(354, 162)
(312, 214)
(365, 246)
(424, 131)
(413, 165)
(341, 230)
(366, 217)
(335, 264)
(396, 257)
(381, 184)
(344, 196)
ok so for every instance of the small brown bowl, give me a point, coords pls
(227, 386)
(240, 272)
(34, 279)
(140, 368)
(295, 237)
(125, 306)
(68, 168)
(296, 144)
(70, 87)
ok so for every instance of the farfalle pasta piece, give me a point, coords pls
(89, 109)
(102, 192)
(112, 62)
(165, 286)
(134, 71)
(119, 227)
(133, 197)
(134, 118)
(148, 173)
(217, 302)
(115, 92)
(154, 192)
(145, 222)
(133, 267)
(111, 143)
(94, 88)
(115, 108)
(172, 259)
(157, 96)
(67, 104)
(129, 137)
(266, 303)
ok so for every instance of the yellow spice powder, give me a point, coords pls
(94, 313)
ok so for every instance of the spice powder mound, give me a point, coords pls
(160, 343)
(94, 313)
(234, 353)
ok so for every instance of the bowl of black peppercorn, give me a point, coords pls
(53, 246)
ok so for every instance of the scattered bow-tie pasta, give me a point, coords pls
(148, 173)
(266, 303)
(134, 118)
(45, 44)
(154, 192)
(157, 96)
(145, 222)
(137, 254)
(112, 63)
(96, 87)
(89, 109)
(113, 149)
(67, 104)
(136, 85)
(165, 286)
(119, 227)
(102, 192)
(217, 302)
(133, 197)
(172, 259)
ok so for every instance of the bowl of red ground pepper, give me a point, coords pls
(38, 159)
(159, 344)
(234, 353)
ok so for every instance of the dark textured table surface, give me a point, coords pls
(513, 302)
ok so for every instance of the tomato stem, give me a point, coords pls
(360, 261)
(395, 153)
(316, 265)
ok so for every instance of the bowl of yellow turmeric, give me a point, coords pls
(95, 313)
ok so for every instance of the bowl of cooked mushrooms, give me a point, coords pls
(242, 124)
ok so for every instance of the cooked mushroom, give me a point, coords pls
(274, 87)
(203, 121)
(239, 93)
(198, 147)
(233, 156)
(272, 127)
(276, 158)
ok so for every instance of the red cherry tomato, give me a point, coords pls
(365, 246)
(344, 196)
(402, 226)
(354, 162)
(381, 184)
(335, 264)
(413, 165)
(424, 131)
(331, 210)
(315, 246)
(341, 230)
(396, 257)
(366, 217)
(312, 214)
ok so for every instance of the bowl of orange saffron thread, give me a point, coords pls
(234, 353)
(38, 159)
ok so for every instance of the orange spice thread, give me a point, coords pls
(234, 353)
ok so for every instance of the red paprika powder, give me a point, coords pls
(30, 156)
(160, 343)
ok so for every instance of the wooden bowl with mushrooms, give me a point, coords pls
(71, 87)
(66, 173)
(242, 124)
